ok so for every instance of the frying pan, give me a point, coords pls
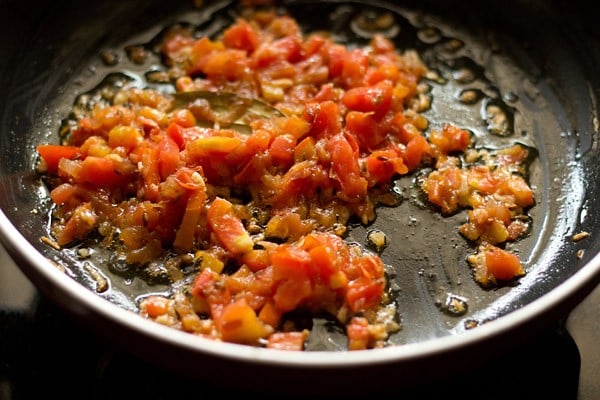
(536, 60)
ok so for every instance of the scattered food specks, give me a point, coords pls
(50, 242)
(581, 235)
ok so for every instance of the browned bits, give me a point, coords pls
(579, 236)
(137, 54)
(158, 77)
(497, 120)
(50, 242)
(469, 96)
(471, 323)
(376, 239)
(109, 57)
(101, 281)
(464, 75)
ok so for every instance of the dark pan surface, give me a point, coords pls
(541, 73)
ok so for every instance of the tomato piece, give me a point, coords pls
(201, 50)
(101, 171)
(416, 148)
(388, 72)
(365, 127)
(242, 36)
(376, 98)
(502, 264)
(291, 293)
(176, 133)
(226, 64)
(52, 154)
(444, 188)
(63, 193)
(168, 157)
(383, 165)
(450, 139)
(203, 282)
(185, 236)
(291, 267)
(325, 119)
(358, 333)
(82, 221)
(155, 306)
(354, 67)
(238, 323)
(519, 189)
(345, 165)
(228, 227)
(336, 54)
(364, 293)
(323, 260)
(287, 340)
(282, 150)
(291, 263)
(270, 314)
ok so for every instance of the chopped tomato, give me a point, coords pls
(228, 227)
(450, 139)
(345, 166)
(238, 323)
(102, 171)
(242, 36)
(53, 153)
(376, 98)
(287, 340)
(502, 264)
(168, 157)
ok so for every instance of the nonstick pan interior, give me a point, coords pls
(521, 59)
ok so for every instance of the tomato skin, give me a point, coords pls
(51, 154)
